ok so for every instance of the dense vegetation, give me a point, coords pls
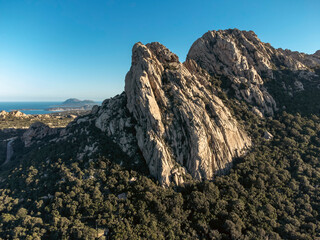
(290, 97)
(271, 193)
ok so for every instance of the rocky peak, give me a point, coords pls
(163, 54)
(244, 59)
(182, 126)
(310, 61)
(317, 54)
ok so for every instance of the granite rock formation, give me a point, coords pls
(246, 61)
(171, 114)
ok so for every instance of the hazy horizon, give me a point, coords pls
(55, 50)
(51, 101)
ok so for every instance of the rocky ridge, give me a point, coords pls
(246, 61)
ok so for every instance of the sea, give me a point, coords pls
(29, 107)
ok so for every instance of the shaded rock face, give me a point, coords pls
(244, 59)
(113, 118)
(37, 132)
(317, 54)
(182, 126)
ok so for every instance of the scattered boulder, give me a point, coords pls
(298, 86)
(257, 112)
(95, 109)
(122, 196)
(267, 136)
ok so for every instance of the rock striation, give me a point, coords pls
(181, 125)
(12, 114)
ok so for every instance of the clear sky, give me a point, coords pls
(56, 49)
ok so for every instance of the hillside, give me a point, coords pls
(223, 146)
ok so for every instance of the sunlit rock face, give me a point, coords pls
(182, 126)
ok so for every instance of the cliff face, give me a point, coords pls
(182, 126)
(244, 59)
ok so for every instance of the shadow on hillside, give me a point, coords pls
(295, 91)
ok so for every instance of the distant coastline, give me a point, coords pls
(35, 108)
(26, 109)
(61, 109)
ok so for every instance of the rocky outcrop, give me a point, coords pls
(309, 60)
(13, 114)
(10, 151)
(245, 61)
(317, 54)
(114, 119)
(182, 126)
(36, 132)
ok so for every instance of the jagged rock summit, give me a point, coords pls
(241, 57)
(182, 126)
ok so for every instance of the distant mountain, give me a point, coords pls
(74, 102)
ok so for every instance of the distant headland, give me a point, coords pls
(74, 104)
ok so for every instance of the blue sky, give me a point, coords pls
(55, 49)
